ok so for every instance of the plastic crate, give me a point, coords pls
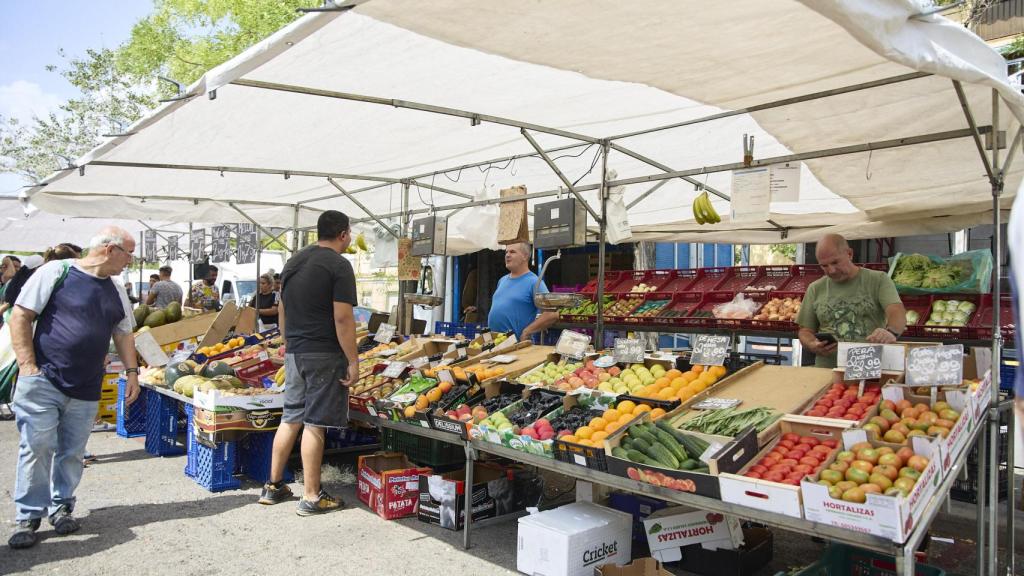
(131, 418)
(682, 281)
(967, 490)
(625, 318)
(878, 266)
(665, 297)
(741, 277)
(682, 303)
(982, 319)
(469, 330)
(338, 438)
(211, 468)
(968, 332)
(840, 560)
(566, 289)
(713, 299)
(424, 451)
(611, 280)
(1007, 375)
(254, 455)
(708, 279)
(789, 326)
(630, 280)
(254, 375)
(163, 424)
(801, 276)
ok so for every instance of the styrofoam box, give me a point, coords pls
(891, 517)
(573, 540)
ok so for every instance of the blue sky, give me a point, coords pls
(31, 33)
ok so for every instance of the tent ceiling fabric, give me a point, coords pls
(596, 68)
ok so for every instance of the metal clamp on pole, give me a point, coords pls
(748, 150)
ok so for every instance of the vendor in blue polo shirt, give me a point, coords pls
(512, 307)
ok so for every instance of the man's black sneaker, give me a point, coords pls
(63, 522)
(323, 504)
(24, 534)
(275, 495)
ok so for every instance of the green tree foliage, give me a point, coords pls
(180, 39)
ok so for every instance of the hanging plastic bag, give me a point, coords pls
(384, 246)
(617, 229)
(475, 229)
(965, 273)
(739, 308)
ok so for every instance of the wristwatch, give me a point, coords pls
(893, 332)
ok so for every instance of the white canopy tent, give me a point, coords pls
(397, 92)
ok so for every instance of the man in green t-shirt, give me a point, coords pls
(851, 303)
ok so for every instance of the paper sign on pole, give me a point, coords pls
(785, 183)
(751, 194)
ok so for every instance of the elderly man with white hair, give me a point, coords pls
(76, 306)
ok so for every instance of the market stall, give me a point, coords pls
(826, 96)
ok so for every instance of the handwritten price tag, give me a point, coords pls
(936, 366)
(863, 363)
(709, 349)
(628, 350)
(385, 332)
(395, 369)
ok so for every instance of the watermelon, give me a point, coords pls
(217, 368)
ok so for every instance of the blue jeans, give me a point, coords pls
(54, 429)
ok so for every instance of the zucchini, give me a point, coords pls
(703, 470)
(639, 458)
(642, 434)
(665, 426)
(666, 440)
(689, 464)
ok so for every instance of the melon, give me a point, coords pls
(140, 314)
(217, 368)
(155, 319)
(173, 312)
(175, 371)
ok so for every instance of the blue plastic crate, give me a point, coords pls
(469, 330)
(131, 418)
(1007, 375)
(640, 507)
(211, 468)
(162, 427)
(254, 456)
(337, 438)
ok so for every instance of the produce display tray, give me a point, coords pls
(680, 307)
(665, 297)
(682, 281)
(611, 280)
(708, 279)
(982, 319)
(705, 309)
(742, 276)
(777, 325)
(801, 276)
(632, 279)
(967, 332)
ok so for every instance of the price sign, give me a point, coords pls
(247, 244)
(197, 243)
(221, 244)
(717, 403)
(572, 344)
(395, 369)
(936, 366)
(420, 362)
(503, 359)
(487, 336)
(709, 349)
(863, 363)
(628, 350)
(385, 332)
(460, 351)
(446, 376)
(388, 352)
(173, 253)
(149, 246)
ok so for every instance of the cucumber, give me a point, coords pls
(642, 434)
(626, 442)
(639, 458)
(694, 446)
(666, 440)
(702, 470)
(689, 464)
(620, 453)
(662, 454)
(655, 452)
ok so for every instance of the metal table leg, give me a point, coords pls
(1010, 492)
(470, 459)
(981, 499)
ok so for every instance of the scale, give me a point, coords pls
(424, 295)
(553, 300)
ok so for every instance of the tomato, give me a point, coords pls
(809, 440)
(831, 443)
(790, 481)
(810, 461)
(788, 462)
(774, 477)
(803, 469)
(758, 468)
(790, 437)
(771, 457)
(817, 413)
(787, 443)
(752, 475)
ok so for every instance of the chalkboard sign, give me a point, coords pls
(385, 332)
(149, 246)
(173, 253)
(247, 244)
(221, 244)
(198, 244)
(628, 350)
(572, 344)
(936, 366)
(863, 363)
(709, 349)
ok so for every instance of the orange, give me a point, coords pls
(568, 438)
(598, 436)
(434, 394)
(663, 382)
(700, 385)
(685, 394)
(421, 404)
(611, 415)
(612, 427)
(719, 371)
(626, 417)
(626, 406)
(665, 393)
(598, 423)
(690, 376)
(641, 408)
(585, 432)
(410, 411)
(673, 374)
(657, 413)
(697, 368)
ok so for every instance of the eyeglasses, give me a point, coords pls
(121, 249)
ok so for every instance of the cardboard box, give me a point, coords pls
(892, 517)
(389, 484)
(194, 327)
(746, 560)
(670, 529)
(515, 441)
(214, 421)
(572, 540)
(639, 507)
(222, 324)
(639, 567)
(959, 400)
(217, 399)
(497, 491)
(775, 496)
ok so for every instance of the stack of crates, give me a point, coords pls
(108, 399)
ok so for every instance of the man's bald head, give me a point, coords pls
(836, 257)
(113, 236)
(110, 251)
(835, 242)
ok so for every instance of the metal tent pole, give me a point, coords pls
(997, 346)
(981, 498)
(295, 231)
(403, 285)
(601, 238)
(256, 295)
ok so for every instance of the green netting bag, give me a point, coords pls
(965, 273)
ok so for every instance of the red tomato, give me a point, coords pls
(774, 476)
(809, 440)
(831, 443)
(795, 454)
(752, 475)
(787, 443)
(817, 413)
(788, 462)
(810, 461)
(771, 457)
(791, 437)
(758, 468)
(790, 481)
(803, 469)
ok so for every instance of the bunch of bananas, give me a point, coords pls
(359, 245)
(703, 211)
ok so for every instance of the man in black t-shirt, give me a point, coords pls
(318, 292)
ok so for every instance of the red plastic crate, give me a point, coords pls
(880, 266)
(776, 276)
(801, 276)
(741, 277)
(776, 325)
(647, 298)
(682, 281)
(580, 318)
(253, 375)
(610, 280)
(969, 332)
(681, 302)
(982, 320)
(922, 305)
(708, 279)
(712, 299)
(624, 319)
(631, 279)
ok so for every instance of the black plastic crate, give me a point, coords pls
(967, 490)
(424, 451)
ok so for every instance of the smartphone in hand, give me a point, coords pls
(826, 337)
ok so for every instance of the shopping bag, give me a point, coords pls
(617, 229)
(513, 226)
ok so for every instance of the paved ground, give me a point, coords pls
(141, 515)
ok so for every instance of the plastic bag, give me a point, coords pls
(739, 308)
(618, 230)
(972, 269)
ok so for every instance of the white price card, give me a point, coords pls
(709, 349)
(572, 344)
(395, 369)
(385, 332)
(503, 359)
(785, 183)
(751, 194)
